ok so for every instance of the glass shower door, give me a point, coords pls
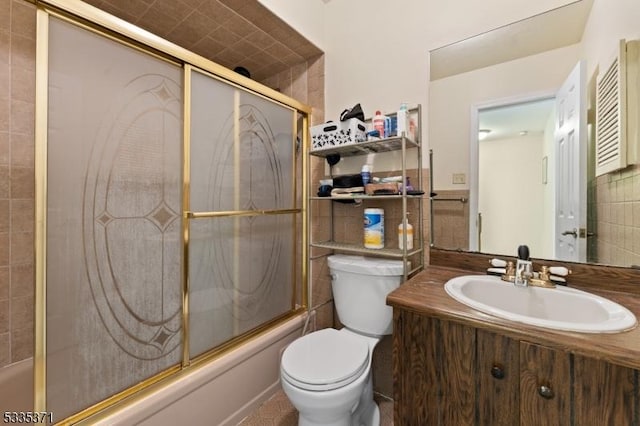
(242, 198)
(113, 214)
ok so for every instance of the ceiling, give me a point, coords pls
(509, 121)
(556, 28)
(229, 32)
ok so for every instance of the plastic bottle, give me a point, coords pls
(366, 174)
(403, 120)
(378, 123)
(374, 228)
(405, 226)
(408, 185)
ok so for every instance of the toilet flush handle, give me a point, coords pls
(333, 276)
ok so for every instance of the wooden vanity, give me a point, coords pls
(454, 365)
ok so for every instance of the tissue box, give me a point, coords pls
(333, 134)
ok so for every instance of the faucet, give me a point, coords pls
(522, 274)
(524, 268)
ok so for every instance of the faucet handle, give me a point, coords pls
(559, 271)
(509, 272)
(498, 263)
(544, 273)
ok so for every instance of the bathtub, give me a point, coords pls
(221, 392)
(16, 386)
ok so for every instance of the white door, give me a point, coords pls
(571, 164)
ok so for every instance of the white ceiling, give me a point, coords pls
(556, 28)
(509, 121)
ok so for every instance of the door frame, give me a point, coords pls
(474, 240)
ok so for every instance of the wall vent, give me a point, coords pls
(611, 133)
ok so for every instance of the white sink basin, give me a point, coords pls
(560, 308)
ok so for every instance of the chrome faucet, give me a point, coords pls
(524, 267)
(524, 273)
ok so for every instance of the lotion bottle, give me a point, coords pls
(405, 227)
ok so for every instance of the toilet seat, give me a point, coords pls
(324, 360)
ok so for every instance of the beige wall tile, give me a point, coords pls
(5, 47)
(23, 19)
(22, 117)
(5, 215)
(5, 79)
(5, 110)
(22, 215)
(5, 316)
(22, 280)
(158, 22)
(324, 316)
(5, 347)
(21, 248)
(23, 52)
(21, 344)
(4, 248)
(23, 87)
(5, 15)
(5, 290)
(21, 312)
(22, 150)
(5, 148)
(22, 183)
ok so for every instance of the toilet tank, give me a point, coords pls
(360, 287)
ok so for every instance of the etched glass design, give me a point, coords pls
(114, 207)
(240, 268)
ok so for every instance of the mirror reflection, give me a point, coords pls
(538, 176)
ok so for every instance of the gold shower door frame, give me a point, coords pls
(88, 17)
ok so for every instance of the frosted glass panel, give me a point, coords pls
(240, 276)
(239, 164)
(113, 215)
(240, 269)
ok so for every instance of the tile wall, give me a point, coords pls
(451, 220)
(17, 102)
(615, 199)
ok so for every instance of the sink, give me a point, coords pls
(560, 308)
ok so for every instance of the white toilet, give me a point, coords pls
(327, 374)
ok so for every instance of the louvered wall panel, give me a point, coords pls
(611, 151)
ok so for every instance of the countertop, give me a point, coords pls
(425, 294)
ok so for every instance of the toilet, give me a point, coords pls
(327, 374)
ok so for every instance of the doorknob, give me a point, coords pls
(574, 233)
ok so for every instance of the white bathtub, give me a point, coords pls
(222, 392)
(16, 386)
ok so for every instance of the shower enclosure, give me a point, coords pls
(170, 213)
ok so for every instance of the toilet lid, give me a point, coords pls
(325, 360)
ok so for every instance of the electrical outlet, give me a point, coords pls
(459, 178)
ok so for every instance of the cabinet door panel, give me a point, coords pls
(545, 387)
(498, 370)
(604, 394)
(457, 374)
(415, 365)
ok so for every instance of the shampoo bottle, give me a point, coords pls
(378, 123)
(405, 228)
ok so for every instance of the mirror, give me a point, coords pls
(511, 67)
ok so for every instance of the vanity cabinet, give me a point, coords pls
(446, 373)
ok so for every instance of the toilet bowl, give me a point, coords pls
(327, 374)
